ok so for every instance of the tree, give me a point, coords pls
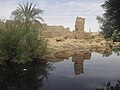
(23, 44)
(110, 20)
(27, 14)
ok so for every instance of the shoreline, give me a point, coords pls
(68, 47)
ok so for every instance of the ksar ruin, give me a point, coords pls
(60, 31)
(63, 42)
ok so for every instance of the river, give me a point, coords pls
(83, 71)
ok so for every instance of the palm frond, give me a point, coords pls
(27, 13)
(30, 7)
(40, 18)
(21, 8)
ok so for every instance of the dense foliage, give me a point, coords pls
(21, 45)
(110, 20)
(27, 14)
(19, 41)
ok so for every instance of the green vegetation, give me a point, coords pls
(27, 15)
(110, 20)
(109, 86)
(29, 76)
(18, 43)
(21, 45)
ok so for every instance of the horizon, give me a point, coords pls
(61, 12)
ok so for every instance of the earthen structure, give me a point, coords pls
(55, 31)
(60, 31)
(78, 33)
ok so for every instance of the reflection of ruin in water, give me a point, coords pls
(78, 57)
(78, 60)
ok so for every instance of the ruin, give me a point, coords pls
(79, 28)
(55, 31)
(60, 31)
(79, 24)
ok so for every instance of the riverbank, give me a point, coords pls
(61, 48)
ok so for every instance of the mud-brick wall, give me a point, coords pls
(56, 31)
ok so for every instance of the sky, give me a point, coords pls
(60, 12)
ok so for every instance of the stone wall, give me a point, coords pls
(56, 31)
(79, 24)
(60, 31)
(78, 33)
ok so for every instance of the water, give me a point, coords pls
(83, 71)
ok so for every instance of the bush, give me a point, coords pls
(109, 86)
(21, 46)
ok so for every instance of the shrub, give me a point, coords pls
(21, 46)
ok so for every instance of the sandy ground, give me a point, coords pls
(73, 44)
(67, 47)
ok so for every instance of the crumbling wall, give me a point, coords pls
(78, 33)
(79, 24)
(56, 31)
(60, 31)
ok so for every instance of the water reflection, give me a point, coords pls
(109, 86)
(117, 51)
(107, 53)
(78, 60)
(33, 76)
(79, 57)
(30, 76)
(92, 67)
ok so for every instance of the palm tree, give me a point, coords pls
(27, 14)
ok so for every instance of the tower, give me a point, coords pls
(79, 24)
(79, 28)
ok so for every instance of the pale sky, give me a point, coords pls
(60, 12)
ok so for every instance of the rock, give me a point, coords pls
(59, 39)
